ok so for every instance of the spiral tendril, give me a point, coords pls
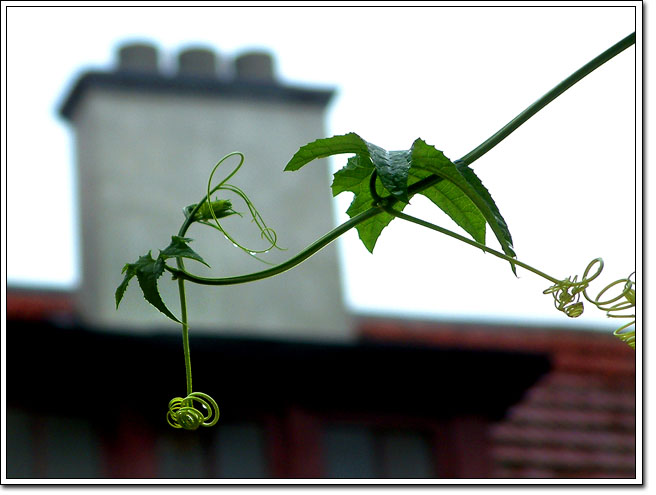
(266, 233)
(567, 294)
(183, 414)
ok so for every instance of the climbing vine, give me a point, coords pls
(383, 183)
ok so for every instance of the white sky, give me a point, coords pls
(565, 182)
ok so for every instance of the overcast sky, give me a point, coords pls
(565, 181)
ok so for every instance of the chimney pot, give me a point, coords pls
(138, 57)
(255, 66)
(197, 62)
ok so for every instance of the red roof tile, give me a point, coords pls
(25, 304)
(577, 422)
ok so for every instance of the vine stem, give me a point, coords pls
(556, 91)
(282, 267)
(183, 302)
(185, 329)
(421, 185)
(471, 242)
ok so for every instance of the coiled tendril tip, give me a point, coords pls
(567, 294)
(183, 414)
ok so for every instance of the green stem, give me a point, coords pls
(185, 335)
(313, 248)
(421, 185)
(183, 303)
(529, 112)
(442, 230)
(511, 126)
(185, 327)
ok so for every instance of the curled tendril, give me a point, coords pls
(266, 233)
(567, 295)
(183, 414)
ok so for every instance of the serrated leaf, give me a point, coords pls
(455, 203)
(130, 271)
(147, 270)
(322, 148)
(462, 196)
(425, 157)
(354, 177)
(392, 168)
(482, 191)
(179, 248)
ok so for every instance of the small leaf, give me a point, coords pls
(322, 148)
(221, 207)
(130, 271)
(147, 271)
(179, 248)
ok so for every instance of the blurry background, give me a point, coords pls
(115, 123)
(452, 76)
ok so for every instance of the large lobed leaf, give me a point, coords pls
(460, 194)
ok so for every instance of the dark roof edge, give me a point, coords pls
(135, 81)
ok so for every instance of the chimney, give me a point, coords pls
(145, 145)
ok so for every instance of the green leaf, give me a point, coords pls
(461, 195)
(456, 204)
(354, 177)
(221, 208)
(428, 159)
(392, 166)
(147, 270)
(130, 271)
(179, 248)
(482, 191)
(322, 148)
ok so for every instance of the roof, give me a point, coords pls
(191, 85)
(264, 374)
(39, 304)
(578, 421)
(577, 418)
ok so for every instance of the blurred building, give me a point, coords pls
(306, 390)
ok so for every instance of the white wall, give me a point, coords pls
(143, 157)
